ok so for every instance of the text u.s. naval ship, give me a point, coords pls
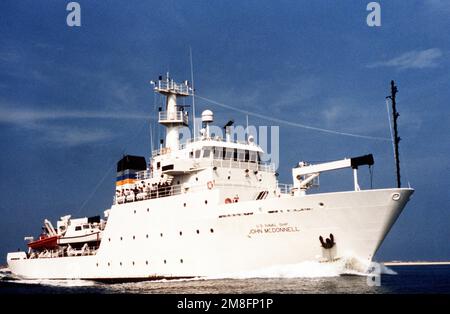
(210, 206)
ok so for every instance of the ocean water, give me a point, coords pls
(308, 278)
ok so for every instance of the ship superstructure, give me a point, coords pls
(210, 206)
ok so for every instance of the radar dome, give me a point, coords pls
(207, 116)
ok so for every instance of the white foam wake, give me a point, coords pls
(4, 272)
(56, 283)
(308, 269)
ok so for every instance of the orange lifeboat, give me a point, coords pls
(44, 242)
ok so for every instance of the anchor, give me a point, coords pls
(328, 243)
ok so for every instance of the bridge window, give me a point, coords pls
(198, 153)
(247, 155)
(253, 156)
(229, 152)
(206, 152)
(218, 152)
(235, 154)
(241, 154)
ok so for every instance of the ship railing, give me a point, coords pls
(144, 175)
(224, 163)
(171, 86)
(285, 188)
(173, 117)
(248, 165)
(164, 150)
(216, 138)
(171, 190)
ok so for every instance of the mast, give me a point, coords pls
(396, 138)
(174, 117)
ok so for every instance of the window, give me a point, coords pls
(86, 226)
(206, 152)
(191, 154)
(241, 154)
(198, 153)
(247, 155)
(218, 152)
(253, 156)
(235, 154)
(229, 152)
(77, 228)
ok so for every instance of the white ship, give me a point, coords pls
(209, 206)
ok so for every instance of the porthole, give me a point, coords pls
(97, 264)
(229, 177)
(181, 261)
(109, 239)
(146, 236)
(109, 264)
(321, 204)
(181, 233)
(184, 204)
(161, 235)
(133, 263)
(121, 238)
(196, 179)
(212, 230)
(206, 202)
(165, 262)
(146, 262)
(120, 263)
(135, 211)
(198, 231)
(148, 210)
(134, 237)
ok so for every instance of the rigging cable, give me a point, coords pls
(290, 123)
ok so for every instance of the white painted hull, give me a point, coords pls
(228, 240)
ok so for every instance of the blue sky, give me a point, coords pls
(74, 99)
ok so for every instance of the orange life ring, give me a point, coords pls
(210, 185)
(228, 200)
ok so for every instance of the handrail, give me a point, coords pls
(158, 152)
(171, 190)
(165, 86)
(176, 116)
(230, 163)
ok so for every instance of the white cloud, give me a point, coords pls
(25, 115)
(416, 59)
(76, 136)
(42, 122)
(440, 5)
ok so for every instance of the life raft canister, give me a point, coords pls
(228, 200)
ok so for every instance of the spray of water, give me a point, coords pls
(308, 269)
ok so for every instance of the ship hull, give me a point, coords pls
(165, 238)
